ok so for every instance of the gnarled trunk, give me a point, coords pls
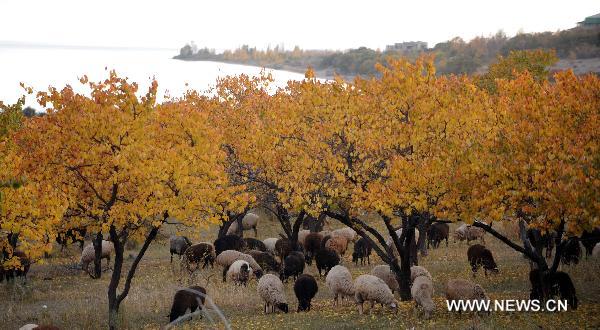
(97, 243)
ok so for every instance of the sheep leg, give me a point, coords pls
(255, 232)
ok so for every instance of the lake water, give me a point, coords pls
(40, 67)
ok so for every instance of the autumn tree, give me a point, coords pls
(120, 166)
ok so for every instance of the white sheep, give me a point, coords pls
(88, 254)
(271, 290)
(228, 257)
(372, 288)
(239, 272)
(390, 242)
(270, 243)
(416, 271)
(347, 233)
(385, 273)
(250, 221)
(339, 282)
(422, 292)
(459, 289)
(596, 251)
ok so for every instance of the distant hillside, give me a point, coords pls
(578, 48)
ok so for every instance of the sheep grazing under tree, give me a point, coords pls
(337, 243)
(227, 258)
(270, 243)
(546, 285)
(326, 259)
(271, 291)
(178, 245)
(254, 244)
(459, 289)
(250, 221)
(312, 244)
(239, 272)
(339, 282)
(199, 253)
(478, 256)
(191, 298)
(266, 261)
(293, 266)
(384, 273)
(305, 289)
(469, 233)
(348, 233)
(11, 274)
(373, 289)
(416, 271)
(362, 251)
(571, 251)
(88, 254)
(436, 233)
(422, 293)
(229, 242)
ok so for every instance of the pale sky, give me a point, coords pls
(310, 24)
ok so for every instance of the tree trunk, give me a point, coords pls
(423, 226)
(113, 303)
(97, 242)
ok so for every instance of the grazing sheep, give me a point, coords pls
(416, 271)
(479, 255)
(284, 246)
(198, 253)
(372, 288)
(254, 244)
(178, 245)
(191, 298)
(337, 243)
(474, 233)
(293, 265)
(385, 273)
(422, 291)
(460, 233)
(305, 289)
(228, 257)
(589, 240)
(302, 236)
(270, 243)
(326, 259)
(22, 271)
(437, 233)
(348, 233)
(596, 251)
(459, 289)
(266, 260)
(271, 290)
(339, 282)
(552, 285)
(571, 251)
(88, 254)
(250, 221)
(229, 242)
(312, 244)
(362, 251)
(239, 272)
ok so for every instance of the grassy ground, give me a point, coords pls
(57, 294)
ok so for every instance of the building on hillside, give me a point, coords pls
(590, 21)
(407, 46)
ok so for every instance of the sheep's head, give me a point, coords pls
(490, 264)
(283, 307)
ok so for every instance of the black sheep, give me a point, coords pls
(312, 244)
(362, 250)
(436, 233)
(199, 253)
(229, 242)
(254, 244)
(571, 251)
(548, 285)
(266, 260)
(293, 265)
(305, 288)
(326, 259)
(479, 255)
(590, 239)
(10, 274)
(191, 298)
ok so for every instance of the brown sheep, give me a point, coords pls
(337, 243)
(197, 253)
(191, 298)
(437, 233)
(479, 255)
(312, 244)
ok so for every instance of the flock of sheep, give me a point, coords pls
(273, 261)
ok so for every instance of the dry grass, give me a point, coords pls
(75, 301)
